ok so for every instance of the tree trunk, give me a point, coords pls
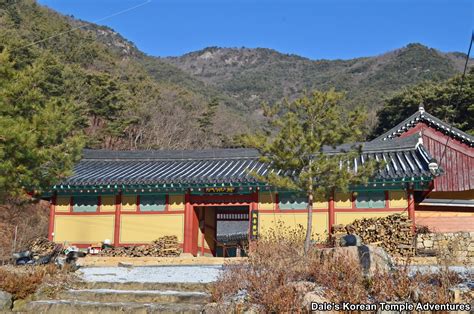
(307, 242)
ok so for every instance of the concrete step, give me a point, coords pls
(175, 286)
(74, 306)
(153, 296)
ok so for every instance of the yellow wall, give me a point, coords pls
(342, 200)
(146, 228)
(176, 202)
(107, 203)
(267, 221)
(83, 229)
(398, 199)
(129, 202)
(266, 200)
(321, 205)
(347, 218)
(62, 204)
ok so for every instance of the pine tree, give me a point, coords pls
(305, 129)
(38, 141)
(206, 120)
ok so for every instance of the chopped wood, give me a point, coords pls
(41, 247)
(166, 246)
(393, 233)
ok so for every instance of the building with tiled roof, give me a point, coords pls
(209, 198)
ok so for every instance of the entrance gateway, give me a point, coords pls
(221, 223)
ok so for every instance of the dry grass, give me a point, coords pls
(22, 281)
(274, 263)
(277, 261)
(30, 219)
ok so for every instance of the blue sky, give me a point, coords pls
(317, 29)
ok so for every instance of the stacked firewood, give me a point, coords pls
(41, 246)
(393, 233)
(163, 247)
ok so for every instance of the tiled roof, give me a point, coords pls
(232, 231)
(404, 157)
(422, 116)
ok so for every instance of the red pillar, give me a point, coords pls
(190, 227)
(411, 208)
(331, 212)
(118, 211)
(52, 206)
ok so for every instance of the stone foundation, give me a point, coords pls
(458, 245)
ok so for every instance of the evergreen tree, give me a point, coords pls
(206, 120)
(305, 128)
(445, 100)
(38, 144)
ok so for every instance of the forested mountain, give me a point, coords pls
(103, 77)
(128, 100)
(256, 75)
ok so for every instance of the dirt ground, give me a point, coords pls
(102, 261)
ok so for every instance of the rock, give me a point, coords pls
(230, 307)
(6, 302)
(315, 296)
(428, 243)
(212, 308)
(126, 265)
(350, 240)
(370, 258)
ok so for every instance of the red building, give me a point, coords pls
(449, 204)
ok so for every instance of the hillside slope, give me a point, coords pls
(103, 75)
(134, 101)
(255, 75)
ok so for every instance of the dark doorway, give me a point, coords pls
(223, 230)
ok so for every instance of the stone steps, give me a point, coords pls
(128, 297)
(177, 286)
(153, 296)
(74, 306)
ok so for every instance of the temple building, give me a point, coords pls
(208, 199)
(448, 205)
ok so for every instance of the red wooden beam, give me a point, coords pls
(52, 206)
(118, 209)
(187, 224)
(331, 215)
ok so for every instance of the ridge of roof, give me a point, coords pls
(201, 154)
(401, 144)
(422, 116)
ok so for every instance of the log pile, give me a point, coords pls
(41, 247)
(393, 233)
(166, 246)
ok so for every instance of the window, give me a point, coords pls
(372, 199)
(292, 201)
(85, 204)
(152, 203)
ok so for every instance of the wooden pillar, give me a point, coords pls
(190, 225)
(118, 212)
(331, 215)
(411, 208)
(52, 206)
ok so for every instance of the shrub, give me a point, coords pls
(21, 284)
(342, 276)
(276, 262)
(26, 280)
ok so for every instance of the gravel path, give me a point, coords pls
(159, 274)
